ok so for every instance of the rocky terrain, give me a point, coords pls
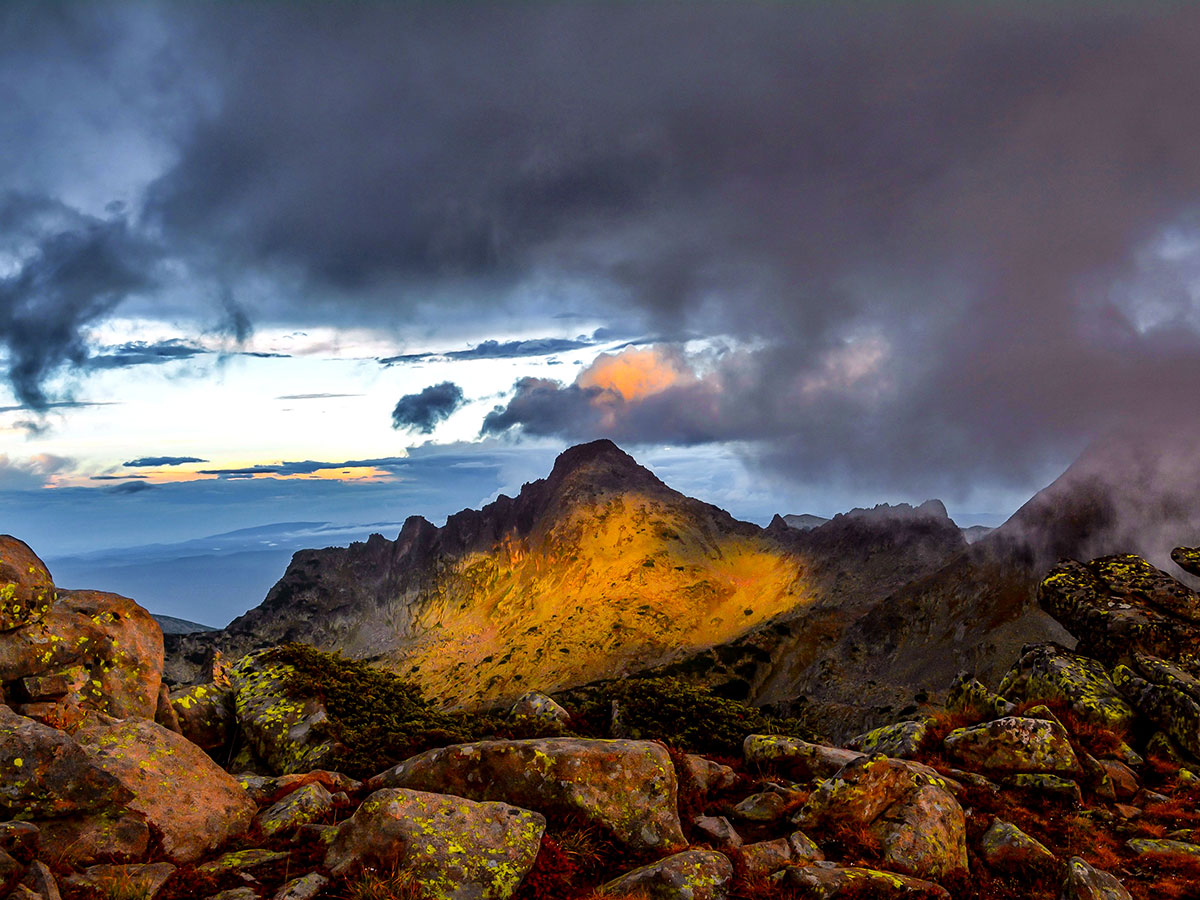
(293, 773)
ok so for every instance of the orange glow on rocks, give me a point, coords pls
(624, 582)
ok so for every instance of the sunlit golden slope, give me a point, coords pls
(616, 584)
(595, 570)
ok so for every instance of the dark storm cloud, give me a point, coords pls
(424, 410)
(980, 193)
(140, 353)
(155, 461)
(492, 349)
(65, 270)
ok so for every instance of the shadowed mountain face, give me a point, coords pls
(973, 613)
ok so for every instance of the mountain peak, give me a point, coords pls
(601, 452)
(599, 465)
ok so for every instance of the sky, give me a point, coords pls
(348, 262)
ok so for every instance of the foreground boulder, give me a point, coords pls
(800, 759)
(26, 589)
(284, 730)
(1050, 672)
(626, 787)
(46, 774)
(1145, 625)
(87, 651)
(204, 713)
(902, 740)
(456, 849)
(66, 653)
(1118, 605)
(1015, 744)
(1187, 558)
(194, 804)
(828, 881)
(1167, 696)
(690, 875)
(920, 826)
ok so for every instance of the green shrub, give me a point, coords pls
(679, 714)
(381, 718)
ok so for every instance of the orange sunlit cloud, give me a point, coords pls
(636, 373)
(352, 473)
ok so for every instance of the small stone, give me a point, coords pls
(718, 831)
(767, 857)
(539, 708)
(971, 696)
(1150, 848)
(20, 839)
(1124, 780)
(10, 872)
(705, 774)
(241, 861)
(1146, 797)
(301, 807)
(457, 849)
(39, 878)
(1006, 848)
(767, 806)
(141, 881)
(690, 875)
(1015, 744)
(1083, 882)
(44, 687)
(85, 839)
(303, 888)
(238, 893)
(828, 881)
(1062, 788)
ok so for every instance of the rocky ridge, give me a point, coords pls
(601, 570)
(1075, 776)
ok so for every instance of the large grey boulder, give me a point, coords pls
(456, 849)
(626, 787)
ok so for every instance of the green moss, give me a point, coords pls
(378, 717)
(678, 713)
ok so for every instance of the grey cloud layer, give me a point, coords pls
(154, 461)
(976, 190)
